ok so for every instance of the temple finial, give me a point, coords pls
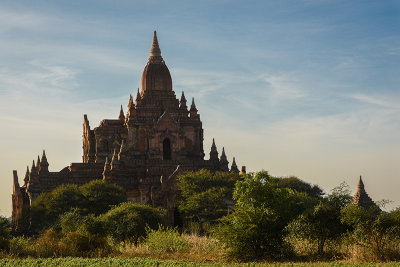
(234, 167)
(360, 186)
(138, 97)
(193, 110)
(214, 151)
(155, 52)
(121, 114)
(44, 165)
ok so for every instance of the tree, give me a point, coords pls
(300, 186)
(47, 208)
(206, 196)
(95, 197)
(100, 197)
(254, 230)
(373, 229)
(127, 222)
(322, 222)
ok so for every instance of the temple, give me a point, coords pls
(142, 150)
(361, 197)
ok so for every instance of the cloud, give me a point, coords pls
(283, 86)
(379, 101)
(12, 20)
(38, 79)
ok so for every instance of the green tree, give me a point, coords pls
(206, 196)
(374, 229)
(47, 208)
(128, 221)
(254, 230)
(95, 197)
(322, 222)
(300, 186)
(100, 197)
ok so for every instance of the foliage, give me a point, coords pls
(322, 222)
(19, 246)
(300, 186)
(378, 231)
(95, 197)
(49, 206)
(128, 221)
(165, 240)
(5, 228)
(206, 196)
(254, 229)
(100, 197)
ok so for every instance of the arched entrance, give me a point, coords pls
(166, 149)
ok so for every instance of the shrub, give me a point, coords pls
(74, 243)
(5, 228)
(128, 221)
(4, 244)
(166, 240)
(19, 246)
(47, 244)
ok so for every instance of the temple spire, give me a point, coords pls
(33, 169)
(183, 105)
(138, 97)
(224, 161)
(193, 110)
(213, 152)
(360, 185)
(38, 163)
(361, 197)
(121, 115)
(44, 165)
(234, 167)
(26, 179)
(155, 51)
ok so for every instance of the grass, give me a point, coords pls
(70, 261)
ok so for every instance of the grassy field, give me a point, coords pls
(70, 261)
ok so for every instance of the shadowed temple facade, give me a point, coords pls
(142, 150)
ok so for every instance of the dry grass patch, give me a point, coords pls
(202, 249)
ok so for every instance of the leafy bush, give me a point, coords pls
(377, 232)
(206, 196)
(254, 230)
(96, 197)
(5, 228)
(19, 246)
(4, 244)
(321, 224)
(128, 221)
(100, 197)
(47, 244)
(166, 240)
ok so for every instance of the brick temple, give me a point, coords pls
(142, 151)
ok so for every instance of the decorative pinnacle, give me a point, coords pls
(130, 104)
(121, 114)
(38, 162)
(44, 158)
(223, 152)
(213, 146)
(183, 98)
(360, 186)
(138, 97)
(155, 51)
(33, 169)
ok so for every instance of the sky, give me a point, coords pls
(309, 88)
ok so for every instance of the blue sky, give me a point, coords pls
(306, 88)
